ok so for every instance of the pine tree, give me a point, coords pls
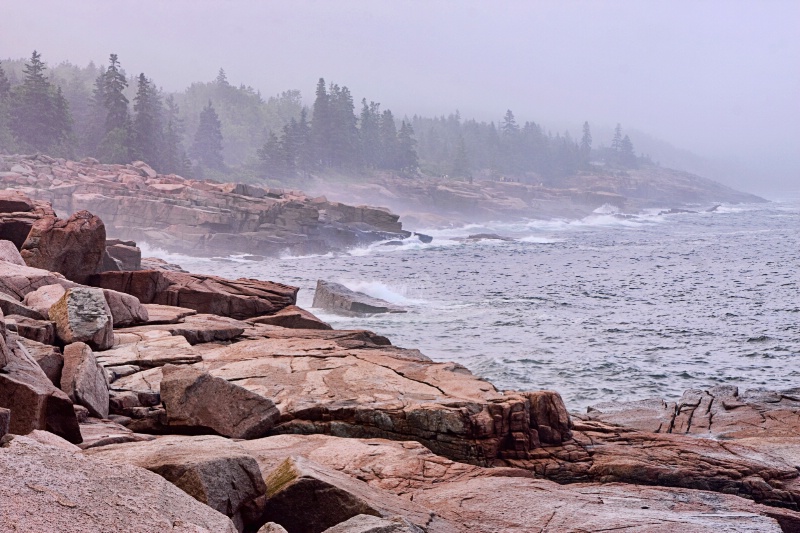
(343, 140)
(586, 142)
(509, 127)
(370, 133)
(321, 126)
(207, 146)
(616, 142)
(305, 160)
(147, 123)
(407, 159)
(117, 141)
(95, 129)
(627, 155)
(40, 117)
(389, 149)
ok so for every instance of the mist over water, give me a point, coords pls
(602, 308)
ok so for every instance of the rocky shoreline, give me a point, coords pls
(153, 400)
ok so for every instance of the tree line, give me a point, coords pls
(219, 130)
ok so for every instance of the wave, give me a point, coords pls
(384, 291)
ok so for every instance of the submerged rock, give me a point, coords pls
(339, 299)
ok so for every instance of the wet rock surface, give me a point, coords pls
(339, 299)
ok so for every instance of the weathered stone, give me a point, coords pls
(235, 412)
(72, 247)
(48, 358)
(271, 527)
(166, 314)
(34, 402)
(291, 317)
(126, 254)
(339, 299)
(305, 496)
(154, 348)
(84, 380)
(237, 299)
(199, 328)
(9, 305)
(365, 523)
(9, 253)
(43, 488)
(213, 470)
(97, 433)
(41, 331)
(14, 202)
(15, 227)
(82, 315)
(17, 280)
(43, 298)
(126, 310)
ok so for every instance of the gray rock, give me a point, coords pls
(339, 299)
(5, 421)
(84, 380)
(234, 412)
(271, 527)
(82, 315)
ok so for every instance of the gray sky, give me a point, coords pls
(720, 78)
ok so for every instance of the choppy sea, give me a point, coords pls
(609, 307)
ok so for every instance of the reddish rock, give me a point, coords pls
(198, 328)
(239, 299)
(292, 317)
(10, 253)
(44, 488)
(72, 247)
(48, 358)
(339, 299)
(14, 202)
(97, 433)
(127, 255)
(235, 411)
(43, 298)
(84, 380)
(41, 331)
(126, 310)
(34, 402)
(18, 280)
(211, 469)
(166, 314)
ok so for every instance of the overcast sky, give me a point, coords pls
(720, 78)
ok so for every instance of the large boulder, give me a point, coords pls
(41, 331)
(339, 299)
(211, 469)
(34, 402)
(12, 201)
(239, 299)
(43, 298)
(49, 358)
(18, 280)
(82, 315)
(304, 496)
(84, 380)
(234, 412)
(126, 310)
(44, 488)
(73, 247)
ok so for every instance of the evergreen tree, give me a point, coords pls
(95, 129)
(586, 142)
(116, 144)
(407, 159)
(343, 140)
(7, 143)
(272, 156)
(5, 85)
(147, 123)
(173, 156)
(627, 155)
(370, 133)
(616, 142)
(207, 146)
(305, 161)
(321, 126)
(509, 127)
(40, 117)
(461, 161)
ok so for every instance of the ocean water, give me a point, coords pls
(609, 307)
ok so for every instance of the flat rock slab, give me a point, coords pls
(213, 470)
(339, 299)
(239, 299)
(166, 314)
(291, 317)
(43, 488)
(155, 348)
(97, 433)
(41, 331)
(198, 328)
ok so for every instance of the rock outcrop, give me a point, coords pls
(199, 217)
(339, 299)
(84, 380)
(82, 315)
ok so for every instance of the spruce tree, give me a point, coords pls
(207, 146)
(40, 117)
(147, 123)
(627, 155)
(321, 126)
(7, 142)
(389, 149)
(95, 129)
(116, 146)
(173, 155)
(407, 159)
(370, 133)
(616, 142)
(586, 142)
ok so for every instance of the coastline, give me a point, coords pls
(342, 415)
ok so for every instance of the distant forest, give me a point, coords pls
(220, 131)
